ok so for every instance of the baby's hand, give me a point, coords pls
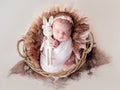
(55, 43)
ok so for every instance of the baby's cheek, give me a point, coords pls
(55, 36)
(67, 37)
(54, 33)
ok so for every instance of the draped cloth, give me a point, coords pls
(59, 56)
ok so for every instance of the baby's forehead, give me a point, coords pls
(61, 26)
(62, 22)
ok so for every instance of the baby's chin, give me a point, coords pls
(62, 40)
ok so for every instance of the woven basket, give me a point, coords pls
(33, 39)
(66, 73)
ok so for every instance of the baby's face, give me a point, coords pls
(61, 31)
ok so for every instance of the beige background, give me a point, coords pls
(16, 17)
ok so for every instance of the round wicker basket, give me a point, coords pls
(33, 40)
(60, 74)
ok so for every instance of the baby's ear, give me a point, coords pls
(44, 20)
(51, 20)
(85, 35)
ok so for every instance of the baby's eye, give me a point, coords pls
(65, 33)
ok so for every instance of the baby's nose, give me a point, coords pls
(61, 35)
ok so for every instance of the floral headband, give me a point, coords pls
(51, 20)
(68, 18)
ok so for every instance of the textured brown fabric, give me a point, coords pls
(34, 36)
